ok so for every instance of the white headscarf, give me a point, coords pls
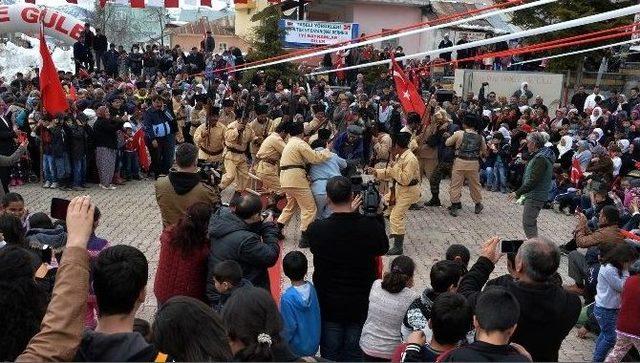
(598, 131)
(624, 145)
(568, 144)
(503, 130)
(595, 115)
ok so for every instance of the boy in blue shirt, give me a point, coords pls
(299, 307)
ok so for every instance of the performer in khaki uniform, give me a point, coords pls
(209, 137)
(470, 146)
(405, 174)
(268, 159)
(319, 122)
(260, 128)
(293, 179)
(236, 140)
(413, 127)
(227, 115)
(382, 144)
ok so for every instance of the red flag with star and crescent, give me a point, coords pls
(576, 172)
(407, 91)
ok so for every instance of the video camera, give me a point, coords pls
(209, 173)
(370, 195)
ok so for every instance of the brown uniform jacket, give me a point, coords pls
(236, 140)
(460, 164)
(381, 147)
(260, 132)
(269, 154)
(298, 153)
(210, 142)
(405, 170)
(226, 118)
(425, 151)
(585, 238)
(63, 324)
(174, 198)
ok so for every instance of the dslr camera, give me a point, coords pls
(209, 173)
(370, 195)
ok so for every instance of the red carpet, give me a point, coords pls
(275, 278)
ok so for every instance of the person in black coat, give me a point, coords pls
(445, 43)
(81, 55)
(345, 249)
(547, 311)
(242, 235)
(111, 61)
(208, 44)
(7, 143)
(99, 48)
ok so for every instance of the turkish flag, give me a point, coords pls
(52, 94)
(576, 171)
(240, 1)
(103, 3)
(205, 3)
(137, 4)
(73, 94)
(143, 157)
(171, 4)
(72, 1)
(340, 64)
(30, 1)
(407, 91)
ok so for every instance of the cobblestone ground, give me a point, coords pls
(130, 216)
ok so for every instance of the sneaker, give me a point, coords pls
(107, 187)
(556, 207)
(54, 185)
(46, 185)
(567, 211)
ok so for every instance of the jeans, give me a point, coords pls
(530, 217)
(321, 205)
(63, 167)
(489, 177)
(79, 171)
(607, 338)
(130, 165)
(499, 177)
(340, 342)
(49, 168)
(161, 156)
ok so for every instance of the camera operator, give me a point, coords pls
(345, 248)
(404, 172)
(245, 236)
(183, 187)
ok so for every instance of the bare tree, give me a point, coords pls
(119, 23)
(160, 16)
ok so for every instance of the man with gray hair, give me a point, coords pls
(547, 311)
(536, 182)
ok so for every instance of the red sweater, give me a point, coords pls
(629, 315)
(177, 275)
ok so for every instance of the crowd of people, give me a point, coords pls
(67, 294)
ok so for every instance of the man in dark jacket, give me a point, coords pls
(111, 61)
(345, 250)
(7, 142)
(445, 43)
(547, 311)
(536, 182)
(577, 100)
(242, 235)
(81, 55)
(208, 44)
(156, 122)
(195, 61)
(99, 48)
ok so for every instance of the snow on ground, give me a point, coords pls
(14, 58)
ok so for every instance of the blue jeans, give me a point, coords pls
(49, 168)
(489, 177)
(63, 167)
(607, 338)
(130, 165)
(79, 171)
(169, 152)
(340, 342)
(499, 177)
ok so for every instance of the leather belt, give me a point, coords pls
(235, 150)
(414, 182)
(289, 167)
(467, 158)
(270, 162)
(211, 153)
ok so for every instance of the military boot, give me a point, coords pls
(398, 241)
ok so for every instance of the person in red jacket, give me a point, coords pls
(184, 249)
(628, 327)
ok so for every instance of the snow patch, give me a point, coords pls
(14, 58)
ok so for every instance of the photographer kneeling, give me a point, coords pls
(183, 187)
(345, 247)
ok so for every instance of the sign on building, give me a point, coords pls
(304, 34)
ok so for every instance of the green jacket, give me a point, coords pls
(536, 182)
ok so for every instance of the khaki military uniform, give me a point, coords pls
(268, 160)
(312, 127)
(260, 132)
(293, 180)
(405, 172)
(381, 154)
(427, 155)
(465, 170)
(197, 118)
(235, 158)
(210, 142)
(413, 144)
(226, 118)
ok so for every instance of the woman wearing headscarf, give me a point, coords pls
(627, 158)
(601, 165)
(106, 140)
(583, 155)
(596, 116)
(595, 138)
(565, 153)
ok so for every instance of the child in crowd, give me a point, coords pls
(227, 276)
(496, 315)
(444, 277)
(94, 247)
(48, 162)
(611, 278)
(130, 165)
(60, 140)
(43, 233)
(451, 318)
(13, 203)
(299, 307)
(628, 326)
(460, 254)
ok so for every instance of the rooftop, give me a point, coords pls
(221, 26)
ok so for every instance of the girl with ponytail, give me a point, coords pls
(389, 300)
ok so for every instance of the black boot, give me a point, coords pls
(304, 241)
(415, 206)
(398, 241)
(454, 208)
(479, 208)
(434, 202)
(280, 229)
